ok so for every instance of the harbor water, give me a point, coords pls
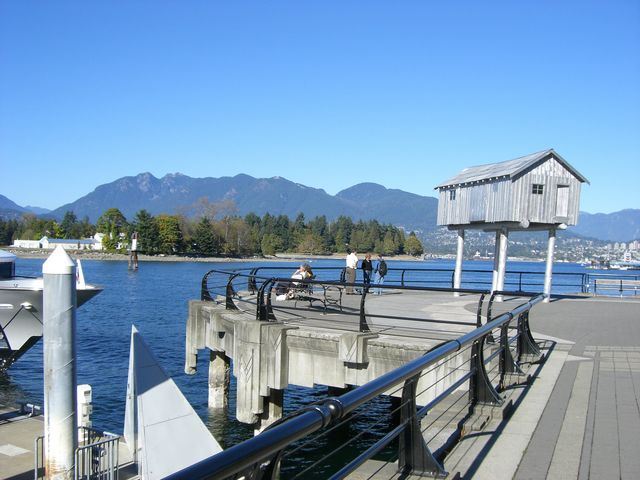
(155, 299)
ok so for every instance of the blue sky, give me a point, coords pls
(328, 94)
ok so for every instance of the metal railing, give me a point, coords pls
(614, 283)
(96, 457)
(515, 280)
(231, 283)
(485, 367)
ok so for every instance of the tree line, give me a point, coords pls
(213, 234)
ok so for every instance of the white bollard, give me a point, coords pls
(59, 330)
(84, 409)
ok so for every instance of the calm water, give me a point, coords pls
(155, 299)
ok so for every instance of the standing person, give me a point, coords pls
(367, 268)
(352, 264)
(381, 271)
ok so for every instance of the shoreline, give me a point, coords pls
(123, 257)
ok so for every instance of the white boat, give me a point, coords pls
(21, 308)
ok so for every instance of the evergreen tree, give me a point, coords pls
(341, 230)
(252, 219)
(148, 233)
(283, 230)
(205, 240)
(69, 226)
(7, 231)
(270, 244)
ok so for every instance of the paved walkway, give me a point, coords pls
(590, 424)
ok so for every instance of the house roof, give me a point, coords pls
(65, 241)
(509, 169)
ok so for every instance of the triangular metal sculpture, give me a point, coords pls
(162, 431)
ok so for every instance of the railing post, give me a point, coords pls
(264, 310)
(363, 318)
(414, 456)
(204, 289)
(229, 305)
(507, 363)
(402, 277)
(479, 311)
(480, 388)
(261, 310)
(490, 338)
(251, 281)
(269, 306)
(526, 344)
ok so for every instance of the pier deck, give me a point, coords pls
(580, 419)
(18, 432)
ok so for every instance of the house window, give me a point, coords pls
(538, 188)
(452, 194)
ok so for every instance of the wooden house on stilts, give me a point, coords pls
(540, 191)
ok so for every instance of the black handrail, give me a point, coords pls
(265, 311)
(407, 276)
(272, 441)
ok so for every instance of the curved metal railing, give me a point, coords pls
(233, 281)
(259, 457)
(515, 280)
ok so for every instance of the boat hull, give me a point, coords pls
(21, 316)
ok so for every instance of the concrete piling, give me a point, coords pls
(272, 409)
(59, 330)
(219, 379)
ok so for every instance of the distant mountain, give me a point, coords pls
(10, 210)
(392, 206)
(37, 210)
(176, 193)
(622, 226)
(278, 196)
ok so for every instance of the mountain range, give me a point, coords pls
(177, 193)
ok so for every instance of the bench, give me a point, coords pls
(327, 295)
(620, 285)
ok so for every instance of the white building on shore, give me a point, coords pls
(47, 243)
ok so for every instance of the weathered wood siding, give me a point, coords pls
(545, 208)
(512, 200)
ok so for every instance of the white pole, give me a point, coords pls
(548, 271)
(59, 328)
(496, 261)
(457, 274)
(502, 262)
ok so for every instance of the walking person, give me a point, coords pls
(350, 276)
(367, 269)
(381, 272)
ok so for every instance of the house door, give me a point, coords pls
(562, 201)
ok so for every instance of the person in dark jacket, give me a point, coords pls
(367, 270)
(381, 272)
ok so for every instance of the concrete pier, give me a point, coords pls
(317, 349)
